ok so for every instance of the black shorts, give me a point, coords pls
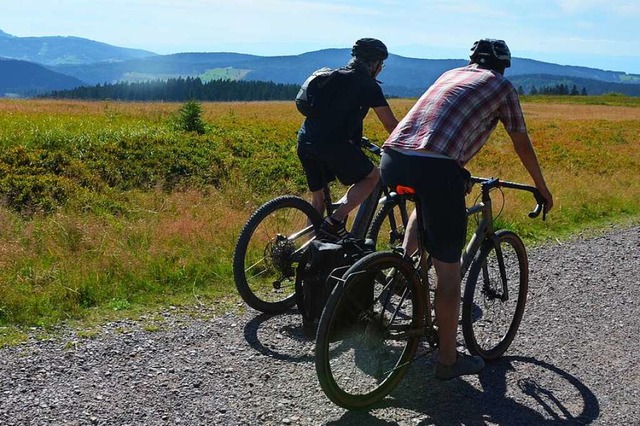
(322, 163)
(440, 185)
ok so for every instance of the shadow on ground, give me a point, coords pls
(280, 337)
(514, 390)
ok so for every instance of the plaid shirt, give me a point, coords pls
(456, 115)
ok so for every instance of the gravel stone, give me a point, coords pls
(573, 362)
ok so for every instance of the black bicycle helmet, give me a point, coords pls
(491, 52)
(370, 49)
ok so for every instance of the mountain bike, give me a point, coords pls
(361, 365)
(274, 238)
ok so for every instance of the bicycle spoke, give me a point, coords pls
(265, 259)
(364, 362)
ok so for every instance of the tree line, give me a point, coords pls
(182, 89)
(558, 89)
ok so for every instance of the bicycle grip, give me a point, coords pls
(540, 205)
(536, 211)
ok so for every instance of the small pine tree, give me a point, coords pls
(190, 118)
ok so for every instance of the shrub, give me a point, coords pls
(190, 118)
(38, 180)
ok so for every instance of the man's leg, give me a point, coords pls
(356, 194)
(447, 309)
(317, 201)
(450, 363)
(410, 243)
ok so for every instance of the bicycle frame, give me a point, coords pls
(364, 215)
(484, 231)
(367, 210)
(485, 225)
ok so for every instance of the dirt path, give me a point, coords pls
(574, 361)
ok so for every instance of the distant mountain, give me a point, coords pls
(94, 63)
(404, 77)
(157, 67)
(26, 78)
(400, 72)
(529, 66)
(64, 50)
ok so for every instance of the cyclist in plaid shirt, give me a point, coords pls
(428, 151)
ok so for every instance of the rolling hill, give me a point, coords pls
(91, 63)
(28, 79)
(403, 77)
(64, 50)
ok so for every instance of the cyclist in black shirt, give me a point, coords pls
(328, 147)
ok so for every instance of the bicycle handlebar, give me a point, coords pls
(487, 183)
(490, 183)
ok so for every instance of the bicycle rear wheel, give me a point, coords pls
(492, 309)
(388, 225)
(361, 357)
(268, 250)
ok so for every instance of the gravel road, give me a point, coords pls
(574, 361)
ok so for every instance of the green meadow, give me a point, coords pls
(110, 209)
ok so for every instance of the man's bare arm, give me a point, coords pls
(387, 118)
(524, 148)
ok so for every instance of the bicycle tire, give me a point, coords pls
(265, 256)
(388, 225)
(489, 323)
(358, 365)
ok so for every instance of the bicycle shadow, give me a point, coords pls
(280, 336)
(544, 395)
(283, 337)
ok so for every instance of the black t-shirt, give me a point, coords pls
(348, 110)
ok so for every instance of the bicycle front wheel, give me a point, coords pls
(388, 225)
(493, 302)
(369, 330)
(268, 250)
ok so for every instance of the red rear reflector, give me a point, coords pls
(404, 190)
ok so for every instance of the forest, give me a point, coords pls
(182, 89)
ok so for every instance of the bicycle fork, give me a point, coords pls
(488, 290)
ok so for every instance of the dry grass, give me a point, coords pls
(580, 112)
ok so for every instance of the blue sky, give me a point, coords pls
(594, 33)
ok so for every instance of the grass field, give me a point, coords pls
(109, 210)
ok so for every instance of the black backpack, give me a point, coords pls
(317, 92)
(318, 272)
